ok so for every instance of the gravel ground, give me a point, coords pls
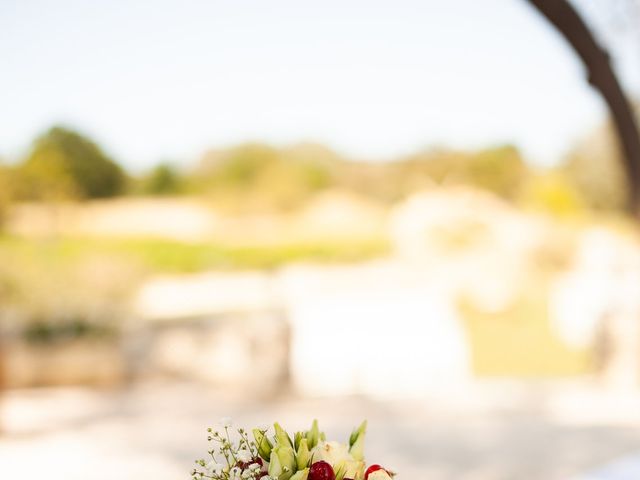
(480, 432)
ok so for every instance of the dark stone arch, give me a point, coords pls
(602, 77)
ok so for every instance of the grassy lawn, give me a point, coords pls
(176, 257)
(519, 341)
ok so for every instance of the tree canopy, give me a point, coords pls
(65, 164)
(163, 179)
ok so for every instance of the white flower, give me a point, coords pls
(379, 475)
(331, 452)
(244, 455)
(226, 422)
(214, 467)
(254, 466)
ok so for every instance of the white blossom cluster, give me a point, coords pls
(229, 459)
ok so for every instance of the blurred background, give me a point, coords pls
(407, 211)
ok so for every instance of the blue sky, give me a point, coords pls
(163, 79)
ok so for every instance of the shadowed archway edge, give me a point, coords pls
(601, 76)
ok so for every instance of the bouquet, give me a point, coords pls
(276, 455)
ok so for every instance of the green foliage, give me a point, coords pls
(64, 164)
(172, 256)
(500, 170)
(163, 179)
(6, 193)
(47, 332)
(259, 177)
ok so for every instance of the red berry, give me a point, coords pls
(371, 469)
(321, 471)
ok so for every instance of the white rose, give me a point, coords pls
(379, 475)
(331, 452)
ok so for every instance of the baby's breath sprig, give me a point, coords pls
(230, 460)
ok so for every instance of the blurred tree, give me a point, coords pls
(6, 193)
(596, 168)
(500, 170)
(260, 177)
(256, 176)
(163, 179)
(242, 167)
(64, 164)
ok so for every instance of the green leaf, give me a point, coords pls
(282, 437)
(275, 467)
(264, 444)
(313, 435)
(358, 431)
(303, 457)
(340, 469)
(301, 475)
(296, 440)
(287, 459)
(357, 442)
